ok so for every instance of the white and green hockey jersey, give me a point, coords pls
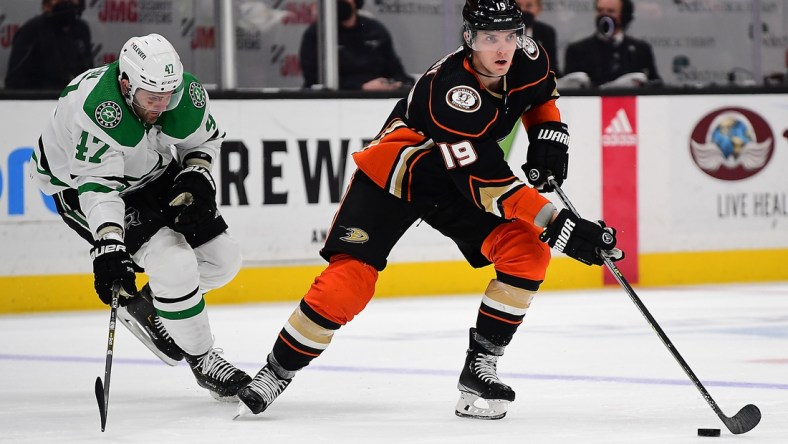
(95, 144)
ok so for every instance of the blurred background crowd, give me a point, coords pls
(386, 44)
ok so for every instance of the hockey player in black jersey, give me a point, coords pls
(437, 159)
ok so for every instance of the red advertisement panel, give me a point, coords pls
(619, 179)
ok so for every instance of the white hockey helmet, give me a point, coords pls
(151, 63)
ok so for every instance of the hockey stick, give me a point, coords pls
(102, 390)
(743, 421)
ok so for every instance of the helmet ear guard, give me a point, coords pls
(152, 64)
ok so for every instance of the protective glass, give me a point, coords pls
(503, 40)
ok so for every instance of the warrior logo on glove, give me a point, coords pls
(547, 155)
(582, 239)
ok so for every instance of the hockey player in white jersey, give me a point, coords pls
(127, 155)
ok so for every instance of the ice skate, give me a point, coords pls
(482, 394)
(261, 392)
(140, 318)
(220, 377)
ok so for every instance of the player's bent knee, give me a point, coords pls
(171, 265)
(343, 289)
(219, 261)
(516, 250)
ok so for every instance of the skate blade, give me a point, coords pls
(223, 398)
(472, 406)
(243, 411)
(143, 337)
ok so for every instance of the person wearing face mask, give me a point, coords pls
(50, 49)
(541, 32)
(367, 60)
(610, 57)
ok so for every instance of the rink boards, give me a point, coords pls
(695, 184)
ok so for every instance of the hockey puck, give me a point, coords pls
(708, 432)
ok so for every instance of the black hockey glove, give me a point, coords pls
(194, 190)
(582, 239)
(112, 263)
(547, 155)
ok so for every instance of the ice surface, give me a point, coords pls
(586, 367)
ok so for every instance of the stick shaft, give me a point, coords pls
(646, 314)
(103, 396)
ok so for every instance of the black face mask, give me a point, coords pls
(344, 10)
(64, 14)
(605, 26)
(528, 19)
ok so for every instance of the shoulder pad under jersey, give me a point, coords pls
(186, 118)
(458, 104)
(530, 65)
(105, 107)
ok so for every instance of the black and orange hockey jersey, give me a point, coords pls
(445, 134)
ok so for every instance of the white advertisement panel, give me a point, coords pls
(287, 163)
(710, 177)
(718, 180)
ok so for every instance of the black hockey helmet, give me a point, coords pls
(492, 15)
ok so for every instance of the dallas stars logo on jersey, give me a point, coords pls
(197, 94)
(108, 114)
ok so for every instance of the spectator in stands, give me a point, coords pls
(610, 58)
(367, 60)
(50, 49)
(543, 33)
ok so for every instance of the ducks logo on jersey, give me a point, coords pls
(463, 98)
(530, 48)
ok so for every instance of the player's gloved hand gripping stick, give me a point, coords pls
(743, 421)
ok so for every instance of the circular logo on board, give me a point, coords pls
(463, 98)
(732, 143)
(108, 114)
(197, 94)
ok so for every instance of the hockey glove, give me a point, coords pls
(112, 263)
(582, 239)
(195, 191)
(547, 155)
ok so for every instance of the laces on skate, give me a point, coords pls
(261, 392)
(222, 379)
(482, 394)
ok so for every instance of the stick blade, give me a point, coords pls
(101, 403)
(744, 421)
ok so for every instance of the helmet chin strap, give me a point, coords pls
(483, 74)
(486, 75)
